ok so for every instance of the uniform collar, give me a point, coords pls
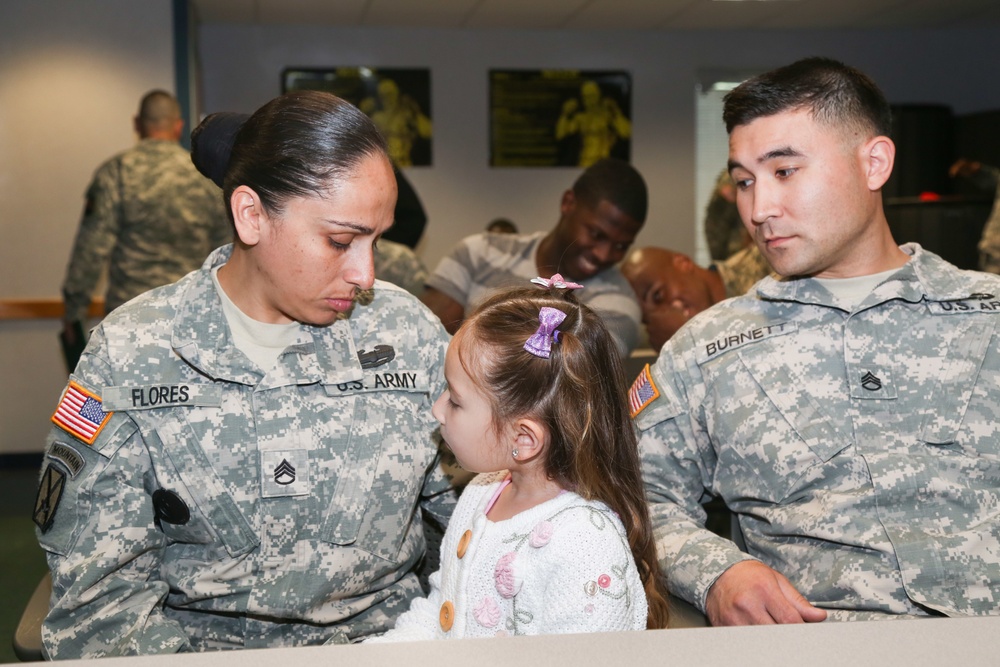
(925, 277)
(201, 336)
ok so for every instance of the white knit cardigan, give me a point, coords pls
(560, 567)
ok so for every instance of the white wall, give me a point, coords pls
(242, 68)
(71, 75)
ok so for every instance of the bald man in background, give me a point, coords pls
(672, 289)
(150, 217)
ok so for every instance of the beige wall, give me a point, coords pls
(71, 75)
(242, 64)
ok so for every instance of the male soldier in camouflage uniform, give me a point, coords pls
(847, 413)
(672, 289)
(150, 216)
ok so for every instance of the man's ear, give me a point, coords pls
(530, 439)
(178, 129)
(879, 155)
(248, 215)
(568, 203)
(682, 262)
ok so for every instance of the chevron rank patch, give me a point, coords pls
(81, 413)
(643, 392)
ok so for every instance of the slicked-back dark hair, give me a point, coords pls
(835, 93)
(616, 181)
(296, 145)
(579, 394)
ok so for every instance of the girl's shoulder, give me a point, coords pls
(480, 488)
(580, 525)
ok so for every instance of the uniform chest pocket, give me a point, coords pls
(774, 432)
(386, 459)
(953, 394)
(191, 502)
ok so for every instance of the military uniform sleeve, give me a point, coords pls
(95, 239)
(989, 244)
(678, 465)
(420, 622)
(95, 521)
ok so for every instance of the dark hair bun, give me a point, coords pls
(212, 143)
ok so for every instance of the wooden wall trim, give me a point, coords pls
(42, 309)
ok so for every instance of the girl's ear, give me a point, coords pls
(530, 439)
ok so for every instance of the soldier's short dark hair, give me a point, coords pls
(616, 181)
(835, 93)
(157, 107)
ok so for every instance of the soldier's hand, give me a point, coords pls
(751, 593)
(569, 106)
(69, 332)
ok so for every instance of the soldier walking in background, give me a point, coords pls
(150, 217)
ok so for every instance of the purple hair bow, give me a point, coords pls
(540, 342)
(556, 281)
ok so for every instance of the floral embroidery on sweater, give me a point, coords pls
(508, 581)
(487, 613)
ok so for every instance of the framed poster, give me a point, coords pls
(398, 100)
(549, 118)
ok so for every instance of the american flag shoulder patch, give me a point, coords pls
(643, 392)
(81, 413)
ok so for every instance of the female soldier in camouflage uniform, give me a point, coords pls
(239, 458)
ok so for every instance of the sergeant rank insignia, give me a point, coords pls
(643, 392)
(81, 413)
(871, 382)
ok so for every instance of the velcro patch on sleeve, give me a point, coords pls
(643, 392)
(81, 413)
(49, 494)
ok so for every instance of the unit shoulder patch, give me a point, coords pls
(71, 459)
(49, 494)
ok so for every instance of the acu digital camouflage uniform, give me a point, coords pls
(989, 243)
(220, 507)
(724, 231)
(153, 216)
(742, 271)
(859, 447)
(397, 264)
